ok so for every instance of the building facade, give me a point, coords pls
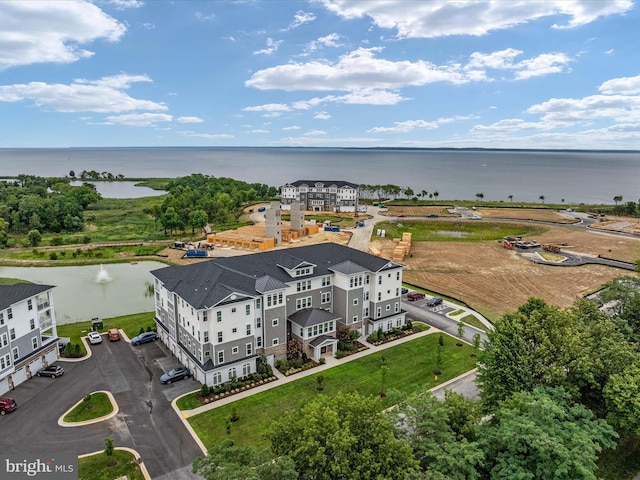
(28, 336)
(321, 195)
(218, 316)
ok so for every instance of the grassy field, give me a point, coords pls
(410, 367)
(121, 464)
(97, 406)
(454, 231)
(131, 324)
(66, 255)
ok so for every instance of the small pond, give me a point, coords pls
(452, 233)
(85, 292)
(122, 189)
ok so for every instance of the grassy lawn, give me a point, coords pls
(129, 323)
(97, 466)
(84, 256)
(410, 367)
(11, 281)
(97, 406)
(474, 322)
(456, 231)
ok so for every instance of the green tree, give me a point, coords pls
(198, 219)
(108, 446)
(479, 196)
(343, 437)
(4, 228)
(510, 197)
(617, 199)
(170, 220)
(622, 394)
(541, 197)
(424, 422)
(436, 194)
(227, 462)
(461, 326)
(542, 435)
(34, 237)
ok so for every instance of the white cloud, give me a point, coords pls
(205, 16)
(272, 47)
(104, 95)
(609, 52)
(544, 64)
(439, 18)
(322, 116)
(501, 59)
(122, 4)
(330, 40)
(404, 127)
(300, 18)
(189, 134)
(513, 125)
(623, 86)
(618, 108)
(259, 130)
(292, 127)
(269, 107)
(140, 119)
(315, 133)
(52, 32)
(189, 120)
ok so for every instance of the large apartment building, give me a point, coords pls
(321, 195)
(28, 336)
(218, 316)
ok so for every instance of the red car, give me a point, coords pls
(7, 405)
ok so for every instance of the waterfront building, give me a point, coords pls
(218, 316)
(321, 195)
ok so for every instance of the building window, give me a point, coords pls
(355, 319)
(219, 337)
(4, 341)
(232, 373)
(247, 310)
(380, 280)
(397, 291)
(234, 350)
(303, 302)
(220, 357)
(365, 312)
(325, 297)
(29, 304)
(274, 322)
(326, 281)
(12, 333)
(34, 342)
(249, 348)
(355, 302)
(5, 362)
(234, 330)
(257, 303)
(366, 296)
(388, 307)
(258, 342)
(309, 332)
(219, 316)
(206, 337)
(379, 296)
(303, 286)
(246, 369)
(275, 342)
(217, 378)
(1, 318)
(396, 307)
(233, 309)
(16, 355)
(378, 312)
(258, 322)
(9, 314)
(397, 275)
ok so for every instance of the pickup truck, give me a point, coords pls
(413, 296)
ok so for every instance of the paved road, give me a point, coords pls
(145, 422)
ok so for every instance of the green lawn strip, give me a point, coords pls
(131, 325)
(474, 322)
(86, 256)
(457, 312)
(11, 281)
(410, 367)
(97, 406)
(188, 402)
(431, 231)
(623, 463)
(97, 466)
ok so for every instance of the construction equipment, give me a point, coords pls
(551, 248)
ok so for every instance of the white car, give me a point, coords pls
(94, 337)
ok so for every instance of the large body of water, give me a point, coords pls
(575, 176)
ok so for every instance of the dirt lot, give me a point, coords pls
(539, 214)
(420, 211)
(494, 280)
(621, 224)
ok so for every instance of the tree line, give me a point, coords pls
(379, 192)
(558, 386)
(38, 205)
(196, 200)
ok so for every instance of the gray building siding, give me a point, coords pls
(227, 348)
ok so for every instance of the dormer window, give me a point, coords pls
(300, 272)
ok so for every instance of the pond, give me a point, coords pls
(85, 292)
(452, 233)
(121, 189)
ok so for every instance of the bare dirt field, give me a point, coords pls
(494, 280)
(419, 211)
(621, 224)
(538, 214)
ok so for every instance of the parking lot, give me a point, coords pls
(146, 422)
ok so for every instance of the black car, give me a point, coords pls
(52, 371)
(404, 290)
(144, 338)
(432, 302)
(179, 373)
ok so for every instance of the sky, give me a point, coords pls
(320, 73)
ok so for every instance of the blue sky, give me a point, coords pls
(325, 73)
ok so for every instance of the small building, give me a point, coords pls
(321, 195)
(28, 335)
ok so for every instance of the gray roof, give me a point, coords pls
(290, 261)
(12, 294)
(207, 283)
(326, 183)
(316, 342)
(348, 268)
(307, 317)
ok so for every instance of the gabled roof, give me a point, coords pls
(290, 262)
(12, 294)
(207, 283)
(348, 268)
(322, 339)
(326, 183)
(308, 317)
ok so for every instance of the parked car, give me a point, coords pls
(114, 335)
(432, 215)
(52, 371)
(432, 302)
(94, 338)
(413, 296)
(404, 290)
(175, 374)
(7, 405)
(144, 338)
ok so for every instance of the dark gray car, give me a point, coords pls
(179, 373)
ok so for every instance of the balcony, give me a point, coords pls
(43, 305)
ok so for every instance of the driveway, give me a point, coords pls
(146, 421)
